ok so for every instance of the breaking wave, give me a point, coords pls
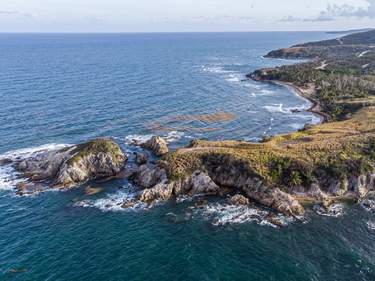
(224, 214)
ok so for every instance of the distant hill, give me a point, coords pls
(344, 32)
(360, 38)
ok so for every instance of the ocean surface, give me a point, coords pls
(59, 89)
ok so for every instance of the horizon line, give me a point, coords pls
(156, 32)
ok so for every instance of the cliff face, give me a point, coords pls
(331, 160)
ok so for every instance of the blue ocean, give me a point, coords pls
(60, 89)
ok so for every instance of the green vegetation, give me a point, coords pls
(95, 147)
(328, 151)
(342, 77)
(342, 70)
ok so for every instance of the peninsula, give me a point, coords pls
(319, 164)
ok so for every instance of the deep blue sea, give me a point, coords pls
(58, 89)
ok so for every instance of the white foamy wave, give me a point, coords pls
(132, 139)
(371, 225)
(368, 204)
(296, 126)
(29, 152)
(215, 69)
(112, 202)
(9, 177)
(172, 136)
(223, 214)
(335, 210)
(233, 78)
(279, 108)
(175, 136)
(229, 75)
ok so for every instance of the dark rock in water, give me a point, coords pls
(74, 165)
(272, 218)
(368, 202)
(239, 199)
(5, 161)
(28, 188)
(92, 190)
(128, 204)
(295, 110)
(201, 203)
(141, 158)
(157, 145)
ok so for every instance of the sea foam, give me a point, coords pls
(9, 177)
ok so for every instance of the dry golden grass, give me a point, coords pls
(309, 148)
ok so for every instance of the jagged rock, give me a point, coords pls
(74, 165)
(141, 158)
(272, 218)
(24, 188)
(316, 192)
(5, 161)
(157, 145)
(231, 176)
(128, 204)
(147, 177)
(239, 199)
(45, 165)
(161, 191)
(362, 185)
(369, 201)
(327, 203)
(199, 183)
(339, 188)
(92, 190)
(201, 203)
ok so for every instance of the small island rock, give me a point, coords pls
(157, 145)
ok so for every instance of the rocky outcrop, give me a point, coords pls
(197, 183)
(74, 165)
(5, 161)
(157, 145)
(161, 191)
(362, 185)
(141, 158)
(238, 200)
(233, 175)
(149, 176)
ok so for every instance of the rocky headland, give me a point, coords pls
(322, 164)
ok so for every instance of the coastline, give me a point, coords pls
(304, 93)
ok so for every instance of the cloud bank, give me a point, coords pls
(334, 12)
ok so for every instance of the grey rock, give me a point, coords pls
(141, 158)
(74, 165)
(157, 145)
(239, 199)
(149, 176)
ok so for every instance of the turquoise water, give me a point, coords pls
(63, 89)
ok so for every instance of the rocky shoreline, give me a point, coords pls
(306, 93)
(319, 165)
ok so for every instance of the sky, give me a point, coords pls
(184, 15)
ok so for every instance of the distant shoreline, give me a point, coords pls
(304, 93)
